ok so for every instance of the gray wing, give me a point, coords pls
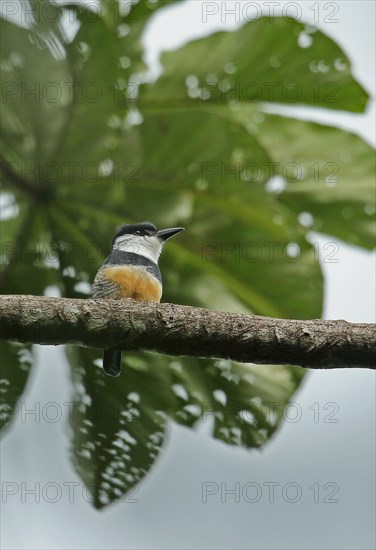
(104, 287)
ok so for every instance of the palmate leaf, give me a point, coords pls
(27, 252)
(323, 168)
(189, 159)
(274, 60)
(34, 72)
(75, 85)
(337, 176)
(244, 402)
(118, 426)
(94, 63)
(238, 233)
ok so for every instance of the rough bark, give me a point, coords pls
(187, 331)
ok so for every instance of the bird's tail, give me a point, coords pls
(111, 362)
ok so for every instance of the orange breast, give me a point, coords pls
(134, 283)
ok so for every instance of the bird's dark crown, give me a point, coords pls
(142, 229)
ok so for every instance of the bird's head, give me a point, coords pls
(143, 238)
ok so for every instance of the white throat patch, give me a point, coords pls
(149, 247)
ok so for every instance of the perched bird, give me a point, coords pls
(131, 271)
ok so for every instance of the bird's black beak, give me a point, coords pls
(166, 234)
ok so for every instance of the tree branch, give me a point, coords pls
(187, 331)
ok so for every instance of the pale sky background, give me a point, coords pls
(170, 513)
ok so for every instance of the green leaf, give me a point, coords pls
(205, 186)
(336, 183)
(15, 364)
(190, 186)
(118, 425)
(74, 83)
(88, 137)
(14, 227)
(273, 60)
(187, 151)
(29, 257)
(240, 238)
(36, 83)
(246, 402)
